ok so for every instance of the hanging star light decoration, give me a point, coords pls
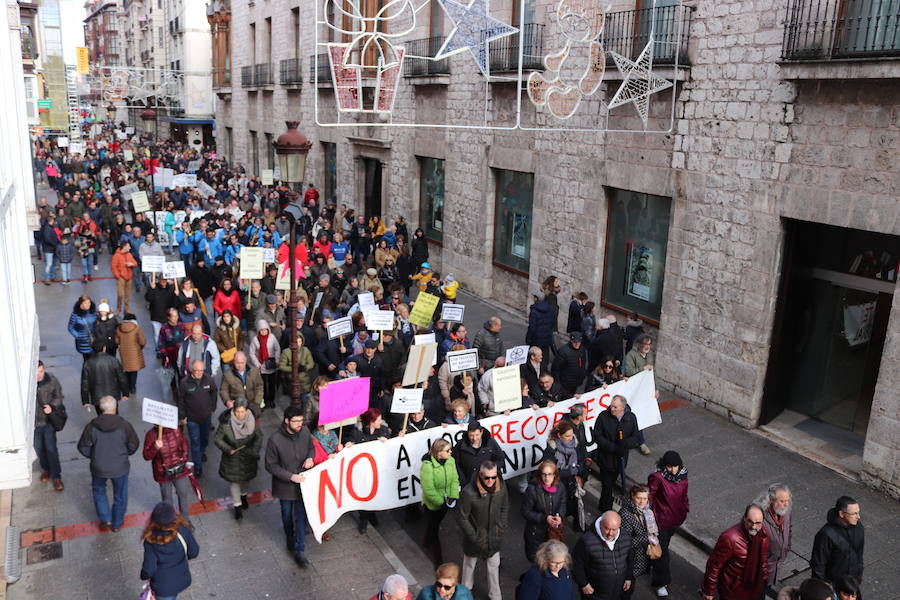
(639, 82)
(473, 29)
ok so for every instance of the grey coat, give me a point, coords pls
(285, 454)
(490, 346)
(779, 543)
(108, 441)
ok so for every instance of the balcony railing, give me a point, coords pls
(247, 76)
(319, 64)
(830, 29)
(290, 71)
(262, 74)
(419, 67)
(627, 33)
(503, 54)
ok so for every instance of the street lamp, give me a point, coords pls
(292, 148)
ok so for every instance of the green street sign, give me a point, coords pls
(45, 102)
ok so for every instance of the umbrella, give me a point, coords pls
(193, 479)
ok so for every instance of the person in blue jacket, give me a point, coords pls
(168, 546)
(446, 585)
(549, 578)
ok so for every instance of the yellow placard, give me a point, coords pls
(81, 55)
(423, 309)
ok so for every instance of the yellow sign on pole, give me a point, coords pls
(81, 54)
(423, 309)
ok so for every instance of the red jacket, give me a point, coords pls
(221, 302)
(174, 452)
(122, 265)
(725, 566)
(669, 500)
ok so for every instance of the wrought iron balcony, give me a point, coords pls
(419, 67)
(290, 72)
(247, 76)
(319, 64)
(817, 30)
(503, 54)
(262, 74)
(627, 33)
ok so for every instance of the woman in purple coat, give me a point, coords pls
(669, 499)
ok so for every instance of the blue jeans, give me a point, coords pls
(120, 499)
(66, 269)
(86, 265)
(48, 266)
(198, 437)
(45, 447)
(166, 597)
(293, 519)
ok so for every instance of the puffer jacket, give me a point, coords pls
(483, 518)
(241, 466)
(725, 566)
(173, 453)
(537, 505)
(102, 375)
(570, 366)
(131, 342)
(439, 481)
(669, 498)
(489, 344)
(65, 251)
(108, 440)
(606, 570)
(81, 322)
(541, 320)
(104, 332)
(166, 565)
(837, 550)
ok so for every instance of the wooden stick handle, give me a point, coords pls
(159, 432)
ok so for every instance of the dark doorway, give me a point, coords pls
(372, 187)
(835, 298)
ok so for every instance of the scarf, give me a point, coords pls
(680, 475)
(650, 522)
(263, 353)
(243, 429)
(750, 576)
(566, 456)
(549, 489)
(778, 519)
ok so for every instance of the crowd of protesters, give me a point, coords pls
(226, 348)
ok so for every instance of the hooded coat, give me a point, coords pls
(541, 320)
(669, 499)
(108, 440)
(81, 322)
(131, 342)
(166, 565)
(104, 332)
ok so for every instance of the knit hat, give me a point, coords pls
(163, 513)
(371, 272)
(672, 459)
(103, 307)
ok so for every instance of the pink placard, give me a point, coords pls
(343, 399)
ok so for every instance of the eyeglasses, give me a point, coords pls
(548, 474)
(443, 586)
(557, 563)
(607, 366)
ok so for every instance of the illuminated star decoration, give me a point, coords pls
(473, 29)
(639, 82)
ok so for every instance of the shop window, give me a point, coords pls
(638, 232)
(431, 198)
(514, 220)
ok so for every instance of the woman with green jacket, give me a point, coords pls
(440, 491)
(306, 367)
(240, 441)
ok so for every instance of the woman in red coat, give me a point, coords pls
(669, 501)
(169, 457)
(227, 298)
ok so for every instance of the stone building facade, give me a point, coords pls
(777, 186)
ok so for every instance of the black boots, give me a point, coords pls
(238, 513)
(244, 504)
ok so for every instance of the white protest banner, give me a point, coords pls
(164, 178)
(140, 202)
(269, 256)
(339, 327)
(366, 301)
(195, 165)
(268, 176)
(507, 388)
(407, 401)
(129, 130)
(173, 269)
(153, 264)
(252, 263)
(379, 320)
(426, 338)
(385, 475)
(129, 156)
(453, 312)
(62, 141)
(121, 135)
(76, 147)
(516, 356)
(463, 360)
(205, 190)
(159, 413)
(127, 190)
(418, 365)
(184, 180)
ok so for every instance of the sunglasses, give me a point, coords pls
(489, 477)
(607, 366)
(441, 586)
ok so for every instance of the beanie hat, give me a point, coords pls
(103, 307)
(163, 513)
(672, 459)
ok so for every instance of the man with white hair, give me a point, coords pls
(776, 504)
(395, 588)
(108, 440)
(603, 559)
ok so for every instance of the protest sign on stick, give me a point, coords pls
(252, 263)
(423, 309)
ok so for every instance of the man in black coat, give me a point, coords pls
(570, 365)
(161, 297)
(476, 447)
(606, 342)
(603, 572)
(196, 399)
(838, 547)
(289, 452)
(615, 433)
(369, 364)
(102, 375)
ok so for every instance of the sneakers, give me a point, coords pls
(66, 282)
(645, 450)
(96, 267)
(58, 485)
(662, 592)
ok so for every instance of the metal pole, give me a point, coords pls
(292, 307)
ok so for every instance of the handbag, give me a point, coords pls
(147, 592)
(654, 551)
(271, 364)
(58, 417)
(228, 355)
